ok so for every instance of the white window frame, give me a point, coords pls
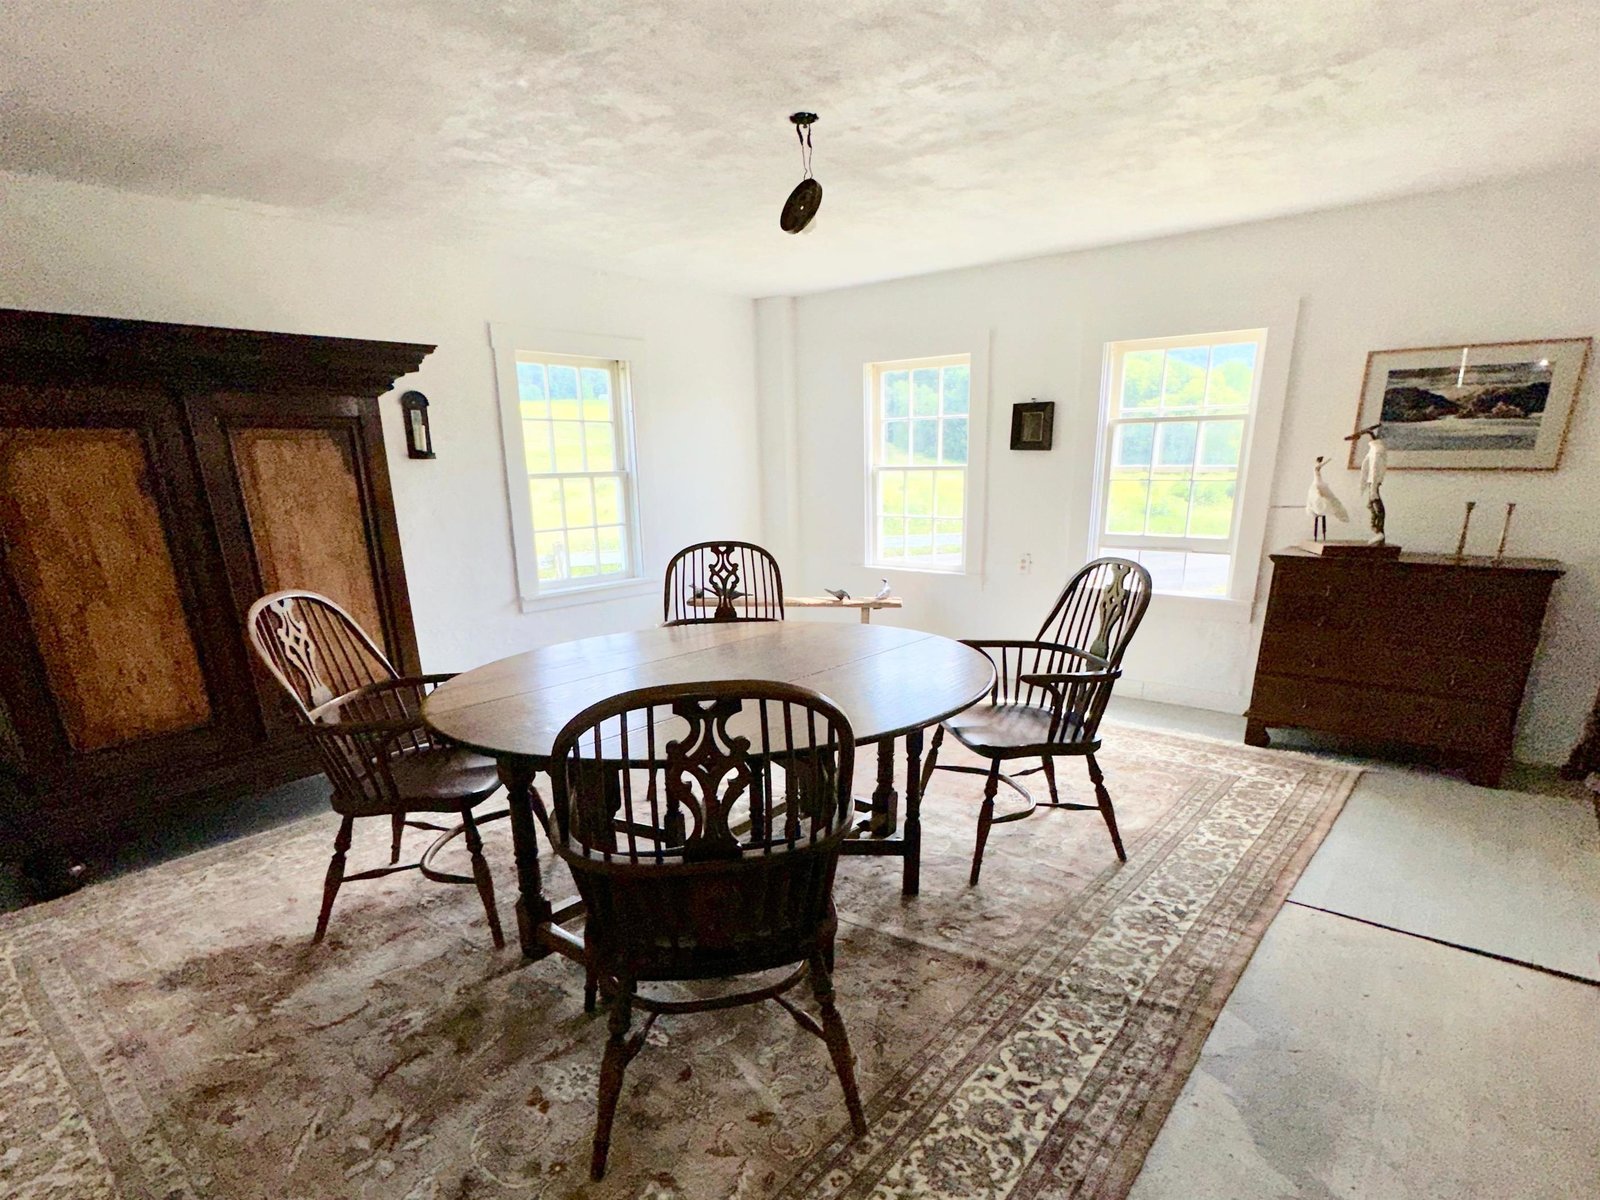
(1251, 481)
(972, 510)
(627, 354)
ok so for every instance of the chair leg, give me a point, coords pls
(985, 819)
(397, 822)
(480, 874)
(591, 988)
(1106, 811)
(833, 1033)
(932, 761)
(1050, 778)
(330, 886)
(612, 1066)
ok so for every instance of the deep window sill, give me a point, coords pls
(622, 589)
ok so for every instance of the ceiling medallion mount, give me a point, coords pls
(801, 206)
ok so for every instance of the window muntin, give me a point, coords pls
(1177, 418)
(919, 479)
(574, 418)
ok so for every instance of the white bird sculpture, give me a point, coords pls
(1321, 502)
(884, 592)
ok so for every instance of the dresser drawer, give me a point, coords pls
(1381, 713)
(1490, 670)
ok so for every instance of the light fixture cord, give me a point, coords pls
(803, 132)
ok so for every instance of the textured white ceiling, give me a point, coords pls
(651, 136)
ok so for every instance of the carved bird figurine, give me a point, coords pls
(1320, 502)
(884, 592)
(838, 594)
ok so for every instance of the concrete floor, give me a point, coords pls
(1423, 1017)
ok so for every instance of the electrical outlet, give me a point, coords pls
(1025, 565)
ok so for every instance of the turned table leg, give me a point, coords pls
(911, 876)
(533, 909)
(885, 800)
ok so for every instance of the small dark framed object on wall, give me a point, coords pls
(1033, 425)
(419, 436)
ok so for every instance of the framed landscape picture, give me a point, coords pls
(1491, 406)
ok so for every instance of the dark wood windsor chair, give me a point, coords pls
(722, 581)
(688, 871)
(1050, 693)
(365, 719)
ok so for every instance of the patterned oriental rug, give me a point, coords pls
(174, 1033)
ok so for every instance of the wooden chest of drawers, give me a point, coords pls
(1421, 650)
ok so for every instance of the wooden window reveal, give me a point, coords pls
(85, 546)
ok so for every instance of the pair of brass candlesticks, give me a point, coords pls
(1466, 523)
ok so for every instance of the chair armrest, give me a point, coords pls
(1056, 650)
(1047, 678)
(386, 705)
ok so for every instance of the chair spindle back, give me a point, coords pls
(702, 822)
(722, 581)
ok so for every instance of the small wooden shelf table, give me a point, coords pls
(866, 604)
(891, 684)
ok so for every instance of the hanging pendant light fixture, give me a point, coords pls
(801, 206)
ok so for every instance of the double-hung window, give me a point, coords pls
(1177, 418)
(919, 498)
(568, 428)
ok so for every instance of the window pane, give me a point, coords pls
(1125, 512)
(919, 493)
(1211, 514)
(1165, 567)
(950, 494)
(891, 492)
(597, 437)
(1185, 385)
(957, 384)
(955, 442)
(545, 495)
(569, 444)
(1141, 379)
(925, 392)
(564, 393)
(1206, 574)
(1233, 369)
(919, 537)
(1169, 507)
(580, 502)
(947, 539)
(1131, 448)
(891, 537)
(608, 501)
(925, 442)
(1175, 445)
(896, 443)
(596, 385)
(612, 548)
(536, 446)
(552, 551)
(896, 394)
(581, 553)
(1219, 445)
(530, 390)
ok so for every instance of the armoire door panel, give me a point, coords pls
(302, 499)
(89, 557)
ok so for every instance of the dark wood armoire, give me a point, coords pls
(154, 480)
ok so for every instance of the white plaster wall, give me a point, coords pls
(1497, 262)
(71, 248)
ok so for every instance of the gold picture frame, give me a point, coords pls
(1484, 406)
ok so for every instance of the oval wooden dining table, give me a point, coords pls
(891, 683)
